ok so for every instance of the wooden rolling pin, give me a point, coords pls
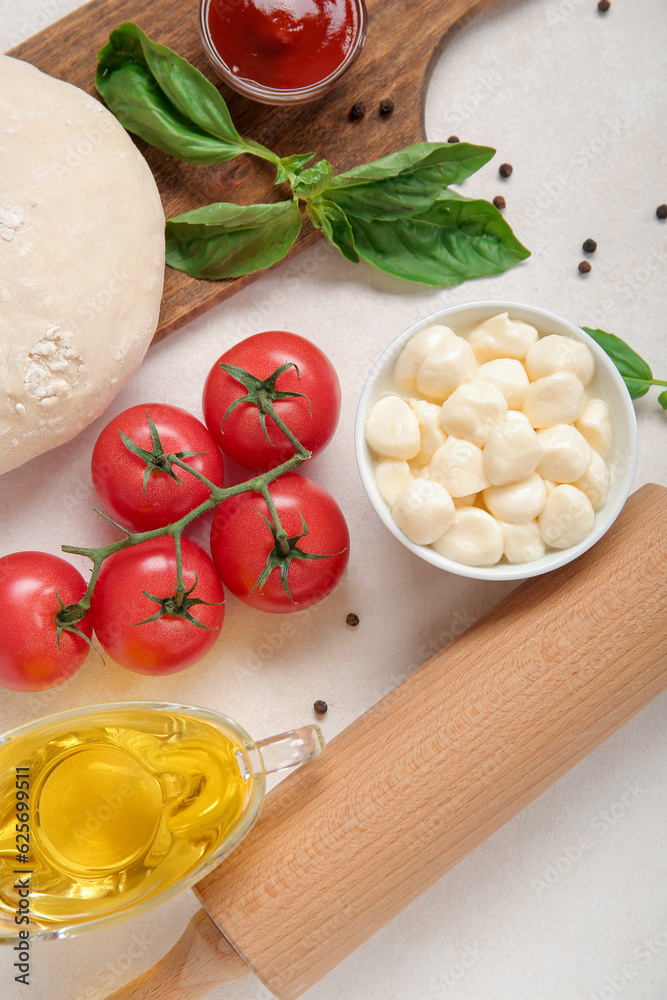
(432, 770)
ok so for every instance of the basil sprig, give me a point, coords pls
(636, 372)
(397, 213)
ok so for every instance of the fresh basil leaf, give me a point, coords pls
(406, 183)
(313, 181)
(290, 167)
(453, 241)
(636, 373)
(334, 224)
(162, 98)
(462, 158)
(662, 399)
(225, 240)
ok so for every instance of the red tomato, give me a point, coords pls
(241, 543)
(170, 643)
(242, 437)
(29, 656)
(118, 474)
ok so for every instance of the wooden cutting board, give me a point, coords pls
(403, 42)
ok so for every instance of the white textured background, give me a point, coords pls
(577, 102)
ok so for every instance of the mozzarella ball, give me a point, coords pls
(596, 481)
(502, 337)
(423, 510)
(560, 354)
(522, 542)
(475, 538)
(554, 399)
(391, 475)
(568, 517)
(518, 502)
(549, 485)
(473, 411)
(508, 375)
(408, 362)
(459, 466)
(566, 453)
(392, 429)
(417, 470)
(595, 424)
(512, 452)
(448, 365)
(432, 434)
(518, 416)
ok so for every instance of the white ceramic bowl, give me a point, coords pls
(622, 458)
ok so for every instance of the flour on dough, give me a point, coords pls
(81, 260)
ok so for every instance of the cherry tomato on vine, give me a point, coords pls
(172, 640)
(242, 543)
(312, 416)
(31, 583)
(146, 491)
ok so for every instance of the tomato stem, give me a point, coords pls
(218, 494)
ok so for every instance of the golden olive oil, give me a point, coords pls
(122, 803)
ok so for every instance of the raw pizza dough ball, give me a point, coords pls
(81, 260)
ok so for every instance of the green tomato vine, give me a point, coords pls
(260, 393)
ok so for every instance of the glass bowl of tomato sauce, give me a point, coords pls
(282, 51)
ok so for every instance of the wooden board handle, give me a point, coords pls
(439, 764)
(402, 45)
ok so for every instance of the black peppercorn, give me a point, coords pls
(357, 111)
(505, 169)
(320, 707)
(661, 211)
(603, 6)
(584, 267)
(453, 138)
(589, 246)
(499, 201)
(352, 620)
(386, 107)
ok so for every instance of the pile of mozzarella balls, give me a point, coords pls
(489, 445)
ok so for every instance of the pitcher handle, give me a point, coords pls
(290, 749)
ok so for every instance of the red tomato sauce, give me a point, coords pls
(283, 44)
